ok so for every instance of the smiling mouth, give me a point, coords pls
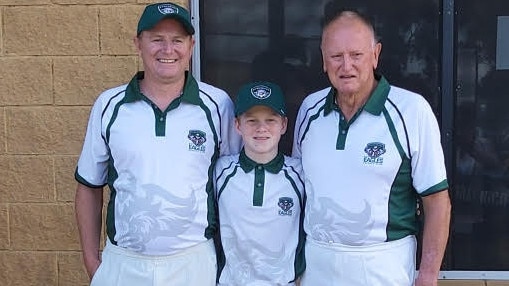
(165, 61)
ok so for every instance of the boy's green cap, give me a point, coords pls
(156, 12)
(260, 93)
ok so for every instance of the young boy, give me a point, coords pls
(260, 194)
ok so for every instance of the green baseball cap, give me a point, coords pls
(154, 13)
(260, 93)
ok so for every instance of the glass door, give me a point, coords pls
(480, 226)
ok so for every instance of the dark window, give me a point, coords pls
(279, 41)
(480, 229)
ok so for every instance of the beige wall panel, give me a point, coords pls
(79, 80)
(25, 81)
(4, 228)
(24, 2)
(1, 34)
(118, 28)
(69, 129)
(2, 131)
(51, 30)
(497, 283)
(64, 177)
(28, 268)
(26, 179)
(71, 271)
(83, 2)
(29, 130)
(46, 130)
(461, 283)
(180, 2)
(43, 227)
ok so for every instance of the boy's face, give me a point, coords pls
(261, 128)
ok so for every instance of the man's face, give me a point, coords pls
(350, 55)
(165, 51)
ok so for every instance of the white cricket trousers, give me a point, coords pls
(384, 264)
(195, 266)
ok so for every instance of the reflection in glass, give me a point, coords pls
(480, 229)
(280, 41)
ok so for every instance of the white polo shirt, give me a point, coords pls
(260, 214)
(363, 176)
(158, 164)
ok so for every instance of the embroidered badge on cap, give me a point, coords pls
(261, 91)
(167, 9)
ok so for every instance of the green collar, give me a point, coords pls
(190, 93)
(274, 166)
(375, 103)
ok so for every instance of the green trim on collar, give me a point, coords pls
(274, 166)
(374, 105)
(190, 94)
(132, 92)
(376, 101)
(330, 102)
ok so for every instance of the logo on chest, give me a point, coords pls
(374, 151)
(285, 204)
(197, 138)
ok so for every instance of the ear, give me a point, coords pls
(136, 42)
(284, 124)
(323, 56)
(237, 125)
(376, 53)
(323, 64)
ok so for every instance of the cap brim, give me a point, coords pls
(186, 24)
(239, 112)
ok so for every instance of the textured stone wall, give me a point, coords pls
(56, 56)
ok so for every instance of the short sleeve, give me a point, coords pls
(93, 161)
(428, 166)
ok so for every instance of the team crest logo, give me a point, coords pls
(374, 150)
(261, 91)
(197, 138)
(286, 204)
(167, 9)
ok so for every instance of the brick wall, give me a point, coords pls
(56, 56)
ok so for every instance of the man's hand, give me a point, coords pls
(424, 279)
(91, 266)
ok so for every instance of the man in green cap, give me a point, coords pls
(154, 142)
